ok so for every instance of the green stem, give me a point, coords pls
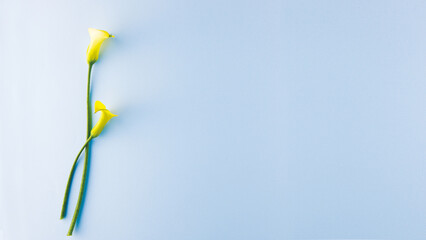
(86, 157)
(67, 190)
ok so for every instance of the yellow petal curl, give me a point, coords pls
(97, 37)
(106, 115)
(99, 106)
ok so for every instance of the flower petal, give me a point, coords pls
(97, 37)
(106, 115)
(99, 106)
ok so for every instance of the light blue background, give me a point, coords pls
(237, 119)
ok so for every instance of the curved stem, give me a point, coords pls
(67, 190)
(86, 157)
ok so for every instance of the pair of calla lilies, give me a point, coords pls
(97, 37)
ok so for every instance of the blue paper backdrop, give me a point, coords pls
(237, 119)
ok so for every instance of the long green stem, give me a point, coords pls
(86, 157)
(67, 190)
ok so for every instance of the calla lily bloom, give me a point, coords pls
(97, 37)
(106, 115)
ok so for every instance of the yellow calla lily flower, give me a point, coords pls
(97, 37)
(106, 115)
